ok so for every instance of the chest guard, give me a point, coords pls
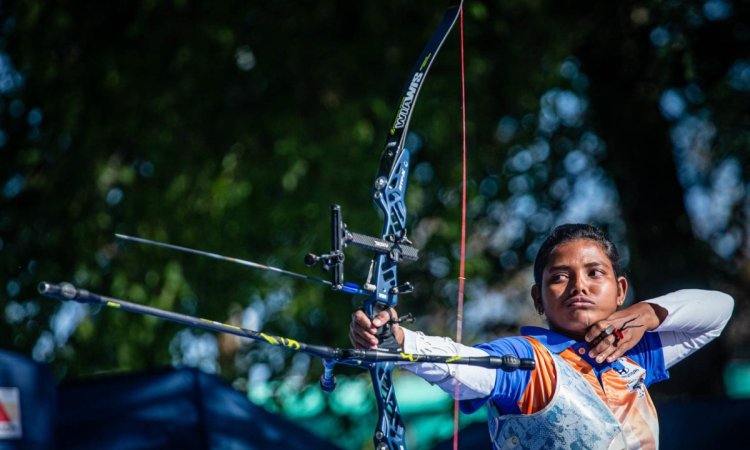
(575, 418)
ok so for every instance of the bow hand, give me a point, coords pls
(382, 331)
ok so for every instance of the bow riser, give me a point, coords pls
(389, 197)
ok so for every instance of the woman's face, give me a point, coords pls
(579, 288)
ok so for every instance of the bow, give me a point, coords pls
(380, 290)
(388, 193)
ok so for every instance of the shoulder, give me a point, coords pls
(509, 386)
(515, 345)
(519, 391)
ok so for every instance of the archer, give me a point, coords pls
(593, 365)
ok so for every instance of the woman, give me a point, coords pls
(593, 365)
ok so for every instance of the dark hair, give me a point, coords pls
(571, 232)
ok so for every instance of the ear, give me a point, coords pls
(622, 290)
(537, 297)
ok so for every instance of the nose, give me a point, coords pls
(578, 285)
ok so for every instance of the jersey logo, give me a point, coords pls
(632, 373)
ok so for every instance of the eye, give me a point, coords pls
(596, 273)
(558, 277)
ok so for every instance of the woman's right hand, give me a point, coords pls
(363, 331)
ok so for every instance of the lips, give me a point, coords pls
(579, 302)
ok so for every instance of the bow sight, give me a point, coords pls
(396, 248)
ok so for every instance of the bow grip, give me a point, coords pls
(386, 338)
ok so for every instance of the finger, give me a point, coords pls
(615, 353)
(361, 338)
(597, 339)
(623, 342)
(361, 331)
(606, 354)
(360, 318)
(383, 317)
(616, 346)
(601, 348)
(595, 331)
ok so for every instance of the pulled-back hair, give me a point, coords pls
(571, 232)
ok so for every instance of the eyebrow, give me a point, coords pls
(587, 265)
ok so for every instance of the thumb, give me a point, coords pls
(383, 317)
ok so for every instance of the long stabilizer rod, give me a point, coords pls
(347, 287)
(355, 357)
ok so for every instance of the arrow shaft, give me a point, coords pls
(243, 262)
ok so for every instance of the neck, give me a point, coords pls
(578, 336)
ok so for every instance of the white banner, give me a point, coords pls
(10, 413)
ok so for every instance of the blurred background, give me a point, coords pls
(232, 126)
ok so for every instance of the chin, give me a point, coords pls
(577, 325)
(584, 318)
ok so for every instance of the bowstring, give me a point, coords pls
(462, 259)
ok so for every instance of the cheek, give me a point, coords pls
(556, 288)
(610, 287)
(552, 293)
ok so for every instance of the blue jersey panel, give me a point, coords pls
(649, 355)
(509, 386)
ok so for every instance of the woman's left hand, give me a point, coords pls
(627, 328)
